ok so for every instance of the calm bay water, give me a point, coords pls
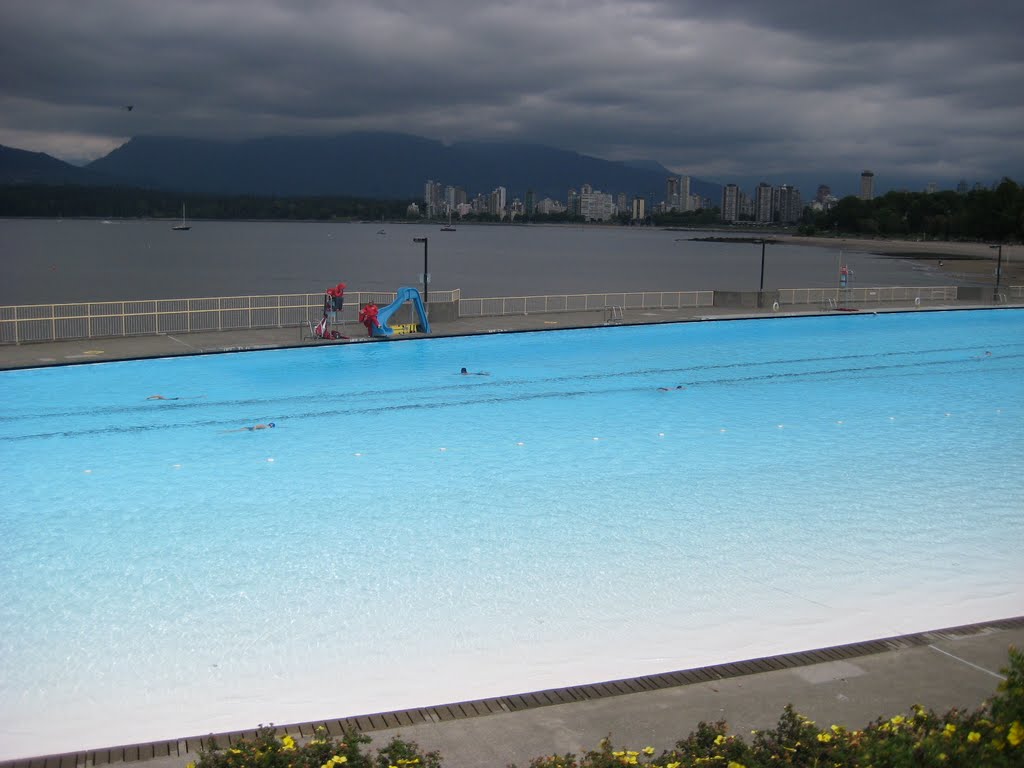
(46, 261)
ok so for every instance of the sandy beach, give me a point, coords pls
(954, 258)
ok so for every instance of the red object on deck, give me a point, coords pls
(368, 317)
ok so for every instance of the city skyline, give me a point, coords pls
(788, 89)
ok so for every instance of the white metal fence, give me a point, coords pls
(87, 320)
(582, 302)
(149, 317)
(866, 295)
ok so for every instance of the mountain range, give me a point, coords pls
(373, 165)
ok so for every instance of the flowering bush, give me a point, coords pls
(268, 750)
(991, 736)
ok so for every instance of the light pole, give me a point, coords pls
(999, 270)
(426, 273)
(761, 289)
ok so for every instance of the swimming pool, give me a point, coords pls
(408, 536)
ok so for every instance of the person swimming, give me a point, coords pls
(161, 397)
(464, 372)
(670, 389)
(253, 428)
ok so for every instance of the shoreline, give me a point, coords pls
(973, 260)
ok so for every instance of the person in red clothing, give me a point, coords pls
(368, 317)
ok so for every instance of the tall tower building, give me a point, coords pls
(763, 203)
(684, 193)
(867, 185)
(639, 212)
(672, 193)
(730, 202)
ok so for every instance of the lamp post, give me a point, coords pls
(999, 269)
(426, 273)
(761, 289)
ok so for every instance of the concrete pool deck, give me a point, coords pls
(850, 684)
(47, 354)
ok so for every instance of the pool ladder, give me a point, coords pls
(613, 314)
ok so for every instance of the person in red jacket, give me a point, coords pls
(368, 317)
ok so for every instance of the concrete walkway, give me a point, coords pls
(168, 345)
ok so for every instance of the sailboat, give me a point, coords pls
(449, 227)
(184, 226)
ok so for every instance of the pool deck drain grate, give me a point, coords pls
(515, 702)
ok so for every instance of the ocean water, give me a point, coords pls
(408, 536)
(43, 262)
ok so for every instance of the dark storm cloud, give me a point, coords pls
(743, 88)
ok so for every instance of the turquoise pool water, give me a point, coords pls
(407, 536)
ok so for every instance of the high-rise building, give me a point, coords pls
(961, 187)
(867, 185)
(639, 209)
(787, 204)
(730, 202)
(763, 203)
(672, 194)
(824, 192)
(684, 193)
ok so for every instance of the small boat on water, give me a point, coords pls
(184, 226)
(449, 227)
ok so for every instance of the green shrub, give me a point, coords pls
(991, 736)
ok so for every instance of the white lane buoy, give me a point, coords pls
(176, 466)
(442, 449)
(88, 471)
(357, 454)
(781, 426)
(270, 458)
(520, 443)
(597, 438)
(661, 434)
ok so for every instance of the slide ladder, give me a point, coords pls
(404, 294)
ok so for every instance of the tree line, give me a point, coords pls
(129, 203)
(983, 214)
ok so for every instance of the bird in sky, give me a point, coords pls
(129, 107)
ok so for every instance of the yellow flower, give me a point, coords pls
(897, 720)
(619, 753)
(974, 737)
(719, 739)
(673, 765)
(734, 764)
(234, 751)
(825, 737)
(1016, 734)
(949, 730)
(191, 765)
(648, 750)
(287, 743)
(836, 729)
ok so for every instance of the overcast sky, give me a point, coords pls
(717, 90)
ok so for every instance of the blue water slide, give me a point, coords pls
(404, 294)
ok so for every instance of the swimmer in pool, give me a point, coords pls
(253, 428)
(464, 372)
(670, 389)
(161, 397)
